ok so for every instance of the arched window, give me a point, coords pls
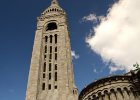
(51, 26)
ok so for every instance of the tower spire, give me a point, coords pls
(54, 2)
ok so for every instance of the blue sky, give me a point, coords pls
(17, 31)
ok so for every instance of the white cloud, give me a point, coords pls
(74, 55)
(117, 37)
(90, 17)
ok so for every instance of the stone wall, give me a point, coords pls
(111, 88)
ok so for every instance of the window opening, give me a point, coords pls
(45, 49)
(49, 76)
(55, 38)
(43, 86)
(50, 38)
(44, 69)
(49, 86)
(45, 56)
(46, 38)
(43, 75)
(51, 26)
(50, 49)
(50, 56)
(55, 66)
(55, 49)
(50, 66)
(55, 56)
(55, 76)
(55, 87)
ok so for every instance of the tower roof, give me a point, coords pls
(54, 8)
(54, 2)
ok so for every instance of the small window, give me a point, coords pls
(43, 75)
(51, 26)
(55, 38)
(55, 66)
(55, 49)
(50, 49)
(46, 38)
(50, 56)
(45, 49)
(50, 66)
(55, 56)
(51, 38)
(45, 56)
(49, 76)
(44, 69)
(55, 87)
(43, 86)
(55, 76)
(49, 86)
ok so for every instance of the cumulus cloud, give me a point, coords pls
(117, 37)
(74, 55)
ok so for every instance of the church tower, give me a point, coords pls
(51, 70)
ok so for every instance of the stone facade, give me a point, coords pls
(121, 87)
(51, 70)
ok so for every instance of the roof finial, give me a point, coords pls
(54, 2)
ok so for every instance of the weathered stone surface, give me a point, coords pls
(46, 82)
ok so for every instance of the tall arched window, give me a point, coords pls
(55, 38)
(51, 38)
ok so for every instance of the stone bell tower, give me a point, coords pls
(51, 69)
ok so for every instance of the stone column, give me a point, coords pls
(119, 94)
(126, 96)
(113, 96)
(131, 95)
